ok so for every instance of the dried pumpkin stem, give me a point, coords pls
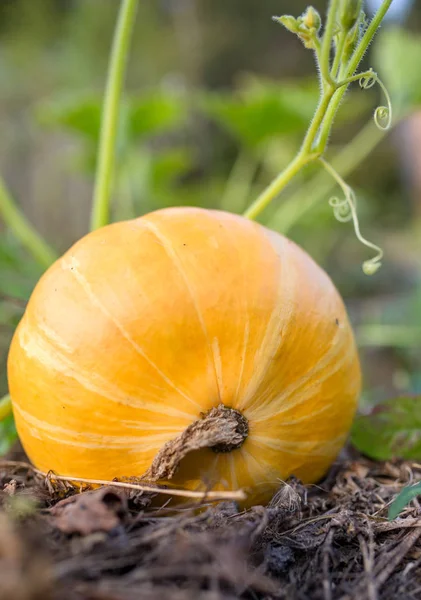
(222, 429)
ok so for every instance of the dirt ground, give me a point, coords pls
(329, 542)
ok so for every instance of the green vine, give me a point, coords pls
(346, 36)
(110, 114)
(314, 191)
(23, 230)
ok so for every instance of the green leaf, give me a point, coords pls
(397, 54)
(403, 499)
(18, 271)
(169, 165)
(146, 115)
(142, 117)
(8, 435)
(154, 113)
(257, 115)
(392, 430)
(76, 114)
(263, 110)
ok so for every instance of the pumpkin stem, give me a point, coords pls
(222, 429)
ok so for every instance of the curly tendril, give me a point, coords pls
(346, 210)
(383, 115)
(341, 209)
(368, 80)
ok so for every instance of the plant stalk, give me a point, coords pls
(303, 158)
(317, 121)
(349, 72)
(339, 52)
(328, 40)
(368, 37)
(316, 139)
(23, 230)
(111, 113)
(276, 186)
(319, 187)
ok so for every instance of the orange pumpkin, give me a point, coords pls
(145, 325)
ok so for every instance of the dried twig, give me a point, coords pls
(390, 560)
(207, 495)
(234, 495)
(367, 551)
(327, 554)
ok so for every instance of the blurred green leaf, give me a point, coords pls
(145, 115)
(18, 271)
(262, 110)
(8, 435)
(392, 430)
(78, 115)
(18, 275)
(259, 114)
(154, 113)
(403, 499)
(169, 165)
(397, 53)
(142, 169)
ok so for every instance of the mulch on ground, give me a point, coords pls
(329, 542)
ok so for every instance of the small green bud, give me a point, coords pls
(311, 19)
(349, 13)
(307, 40)
(305, 27)
(288, 22)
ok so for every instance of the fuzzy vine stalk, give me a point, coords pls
(338, 49)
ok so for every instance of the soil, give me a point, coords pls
(330, 541)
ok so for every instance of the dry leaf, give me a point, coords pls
(10, 488)
(90, 512)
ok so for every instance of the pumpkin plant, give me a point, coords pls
(195, 347)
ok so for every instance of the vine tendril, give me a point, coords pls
(346, 210)
(383, 115)
(341, 209)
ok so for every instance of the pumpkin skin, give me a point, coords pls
(145, 324)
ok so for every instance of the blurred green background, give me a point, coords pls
(218, 99)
